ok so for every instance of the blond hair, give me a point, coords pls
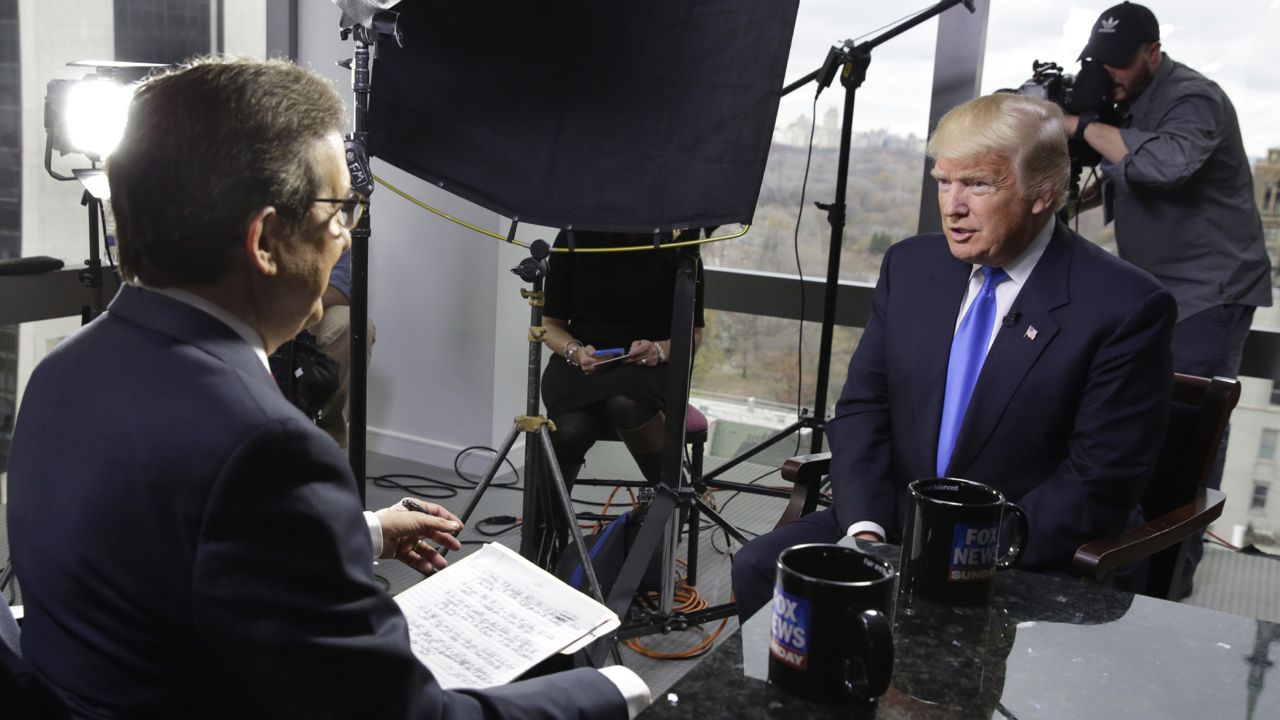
(1026, 131)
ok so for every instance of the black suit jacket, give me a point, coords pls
(1067, 414)
(188, 545)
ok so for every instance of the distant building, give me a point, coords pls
(1266, 185)
(1251, 478)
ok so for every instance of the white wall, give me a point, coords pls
(448, 368)
(53, 221)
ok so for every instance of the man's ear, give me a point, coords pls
(262, 240)
(1042, 203)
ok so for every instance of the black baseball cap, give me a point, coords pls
(1118, 34)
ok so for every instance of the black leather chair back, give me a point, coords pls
(1197, 420)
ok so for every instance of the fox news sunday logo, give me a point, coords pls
(973, 552)
(789, 634)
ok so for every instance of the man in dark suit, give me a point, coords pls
(188, 545)
(1007, 350)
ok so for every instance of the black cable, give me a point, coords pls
(1093, 174)
(795, 246)
(457, 460)
(752, 481)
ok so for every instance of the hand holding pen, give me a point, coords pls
(411, 526)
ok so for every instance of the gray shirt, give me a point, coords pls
(1183, 199)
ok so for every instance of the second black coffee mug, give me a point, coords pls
(831, 639)
(951, 547)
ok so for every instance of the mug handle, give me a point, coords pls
(1021, 530)
(871, 656)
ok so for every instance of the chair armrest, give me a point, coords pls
(1099, 559)
(805, 473)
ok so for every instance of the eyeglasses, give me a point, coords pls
(350, 208)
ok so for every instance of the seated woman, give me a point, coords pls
(596, 302)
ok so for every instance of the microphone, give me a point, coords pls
(1011, 319)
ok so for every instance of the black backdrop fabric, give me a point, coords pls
(614, 115)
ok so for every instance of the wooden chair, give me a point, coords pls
(1177, 501)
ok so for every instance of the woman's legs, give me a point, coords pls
(641, 430)
(575, 434)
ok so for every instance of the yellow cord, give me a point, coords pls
(631, 248)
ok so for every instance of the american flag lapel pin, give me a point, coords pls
(1031, 332)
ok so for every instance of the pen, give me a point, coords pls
(411, 505)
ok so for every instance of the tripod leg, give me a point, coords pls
(695, 519)
(490, 473)
(669, 550)
(571, 519)
(719, 520)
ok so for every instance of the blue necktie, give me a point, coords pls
(968, 350)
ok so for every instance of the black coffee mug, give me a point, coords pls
(831, 639)
(951, 547)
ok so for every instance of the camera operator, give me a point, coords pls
(1176, 180)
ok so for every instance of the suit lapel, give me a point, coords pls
(935, 325)
(1016, 349)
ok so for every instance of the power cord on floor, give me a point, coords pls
(687, 599)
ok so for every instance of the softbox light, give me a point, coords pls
(619, 116)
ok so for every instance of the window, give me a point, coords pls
(890, 122)
(1267, 448)
(1259, 499)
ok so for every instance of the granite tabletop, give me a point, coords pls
(1047, 647)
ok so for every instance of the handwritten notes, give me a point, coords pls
(493, 615)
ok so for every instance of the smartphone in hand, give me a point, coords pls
(609, 355)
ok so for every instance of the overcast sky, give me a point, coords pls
(1234, 42)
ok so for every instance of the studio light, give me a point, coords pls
(87, 116)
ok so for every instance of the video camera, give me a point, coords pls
(1087, 92)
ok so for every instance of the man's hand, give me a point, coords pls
(407, 534)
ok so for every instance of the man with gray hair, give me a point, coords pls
(188, 544)
(1007, 350)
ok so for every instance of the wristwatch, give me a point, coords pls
(1084, 121)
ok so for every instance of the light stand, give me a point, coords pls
(385, 25)
(852, 61)
(96, 190)
(541, 494)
